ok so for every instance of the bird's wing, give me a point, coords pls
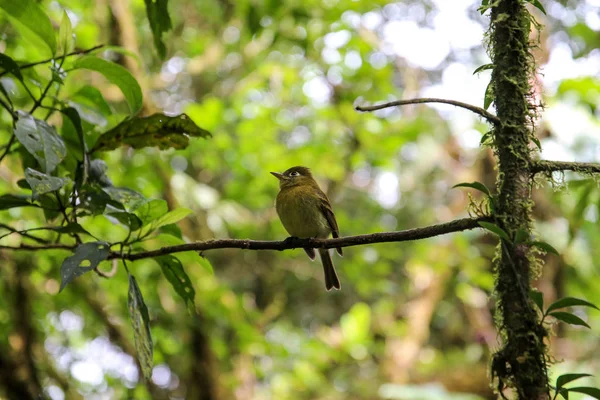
(330, 216)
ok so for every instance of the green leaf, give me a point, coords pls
(538, 5)
(569, 318)
(156, 130)
(474, 185)
(138, 312)
(117, 75)
(128, 219)
(87, 257)
(177, 277)
(521, 236)
(43, 183)
(8, 201)
(29, 14)
(72, 227)
(65, 35)
(545, 246)
(538, 299)
(495, 229)
(171, 229)
(160, 22)
(489, 96)
(206, 264)
(9, 65)
(152, 210)
(566, 378)
(570, 302)
(564, 393)
(130, 199)
(169, 218)
(537, 143)
(486, 137)
(41, 140)
(590, 391)
(483, 68)
(92, 97)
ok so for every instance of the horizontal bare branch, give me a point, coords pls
(555, 166)
(295, 243)
(477, 110)
(290, 243)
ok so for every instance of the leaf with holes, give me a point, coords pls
(87, 257)
(569, 318)
(570, 302)
(474, 185)
(158, 130)
(43, 183)
(138, 312)
(117, 75)
(495, 229)
(566, 378)
(158, 16)
(178, 278)
(41, 140)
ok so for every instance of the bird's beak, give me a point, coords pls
(278, 175)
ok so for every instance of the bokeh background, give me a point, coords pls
(276, 83)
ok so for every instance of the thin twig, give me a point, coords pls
(73, 53)
(23, 233)
(477, 110)
(49, 246)
(555, 166)
(8, 146)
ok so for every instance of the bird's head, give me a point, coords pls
(294, 176)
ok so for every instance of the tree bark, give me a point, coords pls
(521, 362)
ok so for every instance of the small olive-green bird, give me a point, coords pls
(305, 212)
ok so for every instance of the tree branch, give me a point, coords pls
(290, 243)
(477, 110)
(295, 243)
(554, 166)
(73, 53)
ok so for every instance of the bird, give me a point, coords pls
(305, 212)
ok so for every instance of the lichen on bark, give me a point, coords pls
(521, 361)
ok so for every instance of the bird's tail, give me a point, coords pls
(331, 279)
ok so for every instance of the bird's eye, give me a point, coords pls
(294, 173)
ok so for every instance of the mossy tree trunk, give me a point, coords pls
(521, 362)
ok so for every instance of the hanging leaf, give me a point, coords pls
(570, 302)
(9, 65)
(43, 183)
(138, 312)
(156, 130)
(160, 22)
(538, 299)
(489, 96)
(29, 14)
(569, 318)
(41, 140)
(495, 229)
(177, 277)
(116, 75)
(87, 257)
(538, 5)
